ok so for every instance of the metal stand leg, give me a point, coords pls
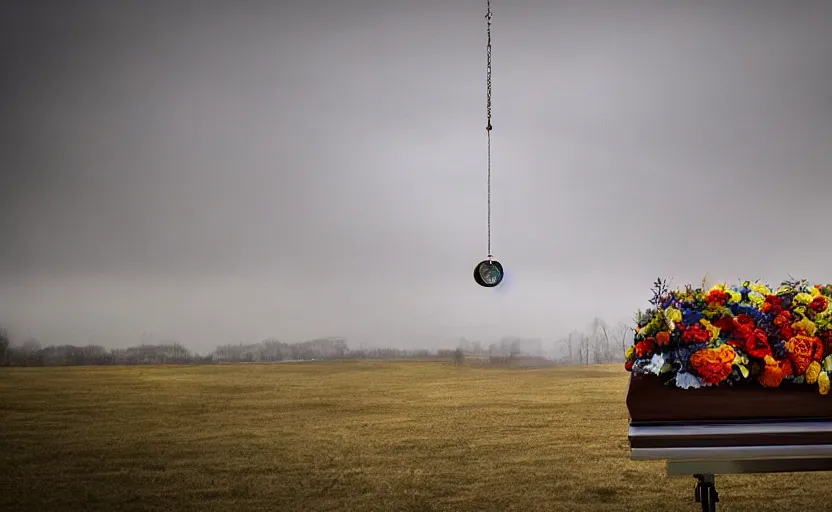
(705, 492)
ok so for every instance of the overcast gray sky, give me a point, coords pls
(214, 171)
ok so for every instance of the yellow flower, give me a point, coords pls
(757, 299)
(812, 372)
(741, 360)
(823, 383)
(802, 298)
(735, 296)
(815, 292)
(652, 327)
(629, 353)
(711, 328)
(674, 315)
(760, 288)
(805, 325)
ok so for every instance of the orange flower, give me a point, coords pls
(713, 364)
(663, 338)
(772, 374)
(803, 350)
(787, 367)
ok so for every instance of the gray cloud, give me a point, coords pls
(207, 171)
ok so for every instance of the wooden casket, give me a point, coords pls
(761, 368)
(650, 402)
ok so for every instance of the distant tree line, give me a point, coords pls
(600, 344)
(272, 350)
(32, 353)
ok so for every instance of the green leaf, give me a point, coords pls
(666, 368)
(827, 363)
(743, 371)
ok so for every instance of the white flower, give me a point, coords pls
(656, 364)
(687, 381)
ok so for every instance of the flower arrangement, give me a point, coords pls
(736, 335)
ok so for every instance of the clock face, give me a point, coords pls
(488, 273)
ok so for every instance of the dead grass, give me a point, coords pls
(341, 436)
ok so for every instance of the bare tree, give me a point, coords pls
(574, 342)
(599, 341)
(622, 336)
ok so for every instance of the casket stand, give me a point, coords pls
(729, 430)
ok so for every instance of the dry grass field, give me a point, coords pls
(341, 436)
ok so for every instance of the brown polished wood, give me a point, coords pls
(651, 402)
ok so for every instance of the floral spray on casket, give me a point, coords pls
(736, 335)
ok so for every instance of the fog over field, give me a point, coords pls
(214, 172)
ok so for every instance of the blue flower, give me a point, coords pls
(779, 349)
(744, 291)
(690, 316)
(745, 309)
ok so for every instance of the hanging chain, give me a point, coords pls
(488, 116)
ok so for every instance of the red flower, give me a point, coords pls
(644, 347)
(744, 320)
(786, 333)
(784, 318)
(726, 324)
(663, 338)
(787, 367)
(773, 304)
(628, 366)
(819, 304)
(756, 344)
(696, 334)
(717, 297)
